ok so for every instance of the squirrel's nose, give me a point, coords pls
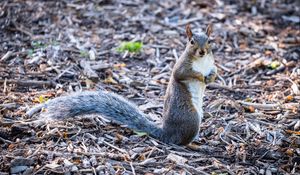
(201, 52)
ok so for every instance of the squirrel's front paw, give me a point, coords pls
(211, 77)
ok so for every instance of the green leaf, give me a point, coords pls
(248, 99)
(42, 99)
(140, 133)
(274, 64)
(30, 52)
(132, 47)
(37, 44)
(84, 53)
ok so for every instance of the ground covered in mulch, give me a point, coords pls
(52, 48)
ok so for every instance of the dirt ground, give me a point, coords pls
(52, 48)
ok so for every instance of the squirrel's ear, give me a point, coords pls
(209, 29)
(188, 31)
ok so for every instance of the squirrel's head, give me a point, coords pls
(198, 45)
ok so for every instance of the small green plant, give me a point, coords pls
(30, 52)
(140, 134)
(37, 44)
(84, 53)
(54, 43)
(132, 47)
(273, 65)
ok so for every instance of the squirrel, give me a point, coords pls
(182, 112)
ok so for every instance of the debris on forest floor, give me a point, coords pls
(51, 48)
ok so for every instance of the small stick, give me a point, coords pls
(88, 71)
(175, 54)
(119, 149)
(30, 82)
(187, 21)
(132, 168)
(260, 106)
(6, 56)
(5, 85)
(4, 140)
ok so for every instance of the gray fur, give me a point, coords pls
(201, 39)
(109, 105)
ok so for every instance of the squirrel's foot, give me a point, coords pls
(211, 77)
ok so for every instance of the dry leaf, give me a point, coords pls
(177, 159)
(119, 66)
(142, 157)
(297, 126)
(295, 89)
(250, 109)
(65, 135)
(289, 98)
(268, 52)
(255, 127)
(119, 138)
(281, 45)
(92, 55)
(110, 80)
(290, 152)
(11, 146)
(293, 132)
(52, 165)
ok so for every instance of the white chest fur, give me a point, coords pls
(196, 89)
(203, 65)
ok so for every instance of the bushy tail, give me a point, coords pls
(109, 105)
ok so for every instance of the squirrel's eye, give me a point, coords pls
(192, 41)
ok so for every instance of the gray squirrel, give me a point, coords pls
(182, 113)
